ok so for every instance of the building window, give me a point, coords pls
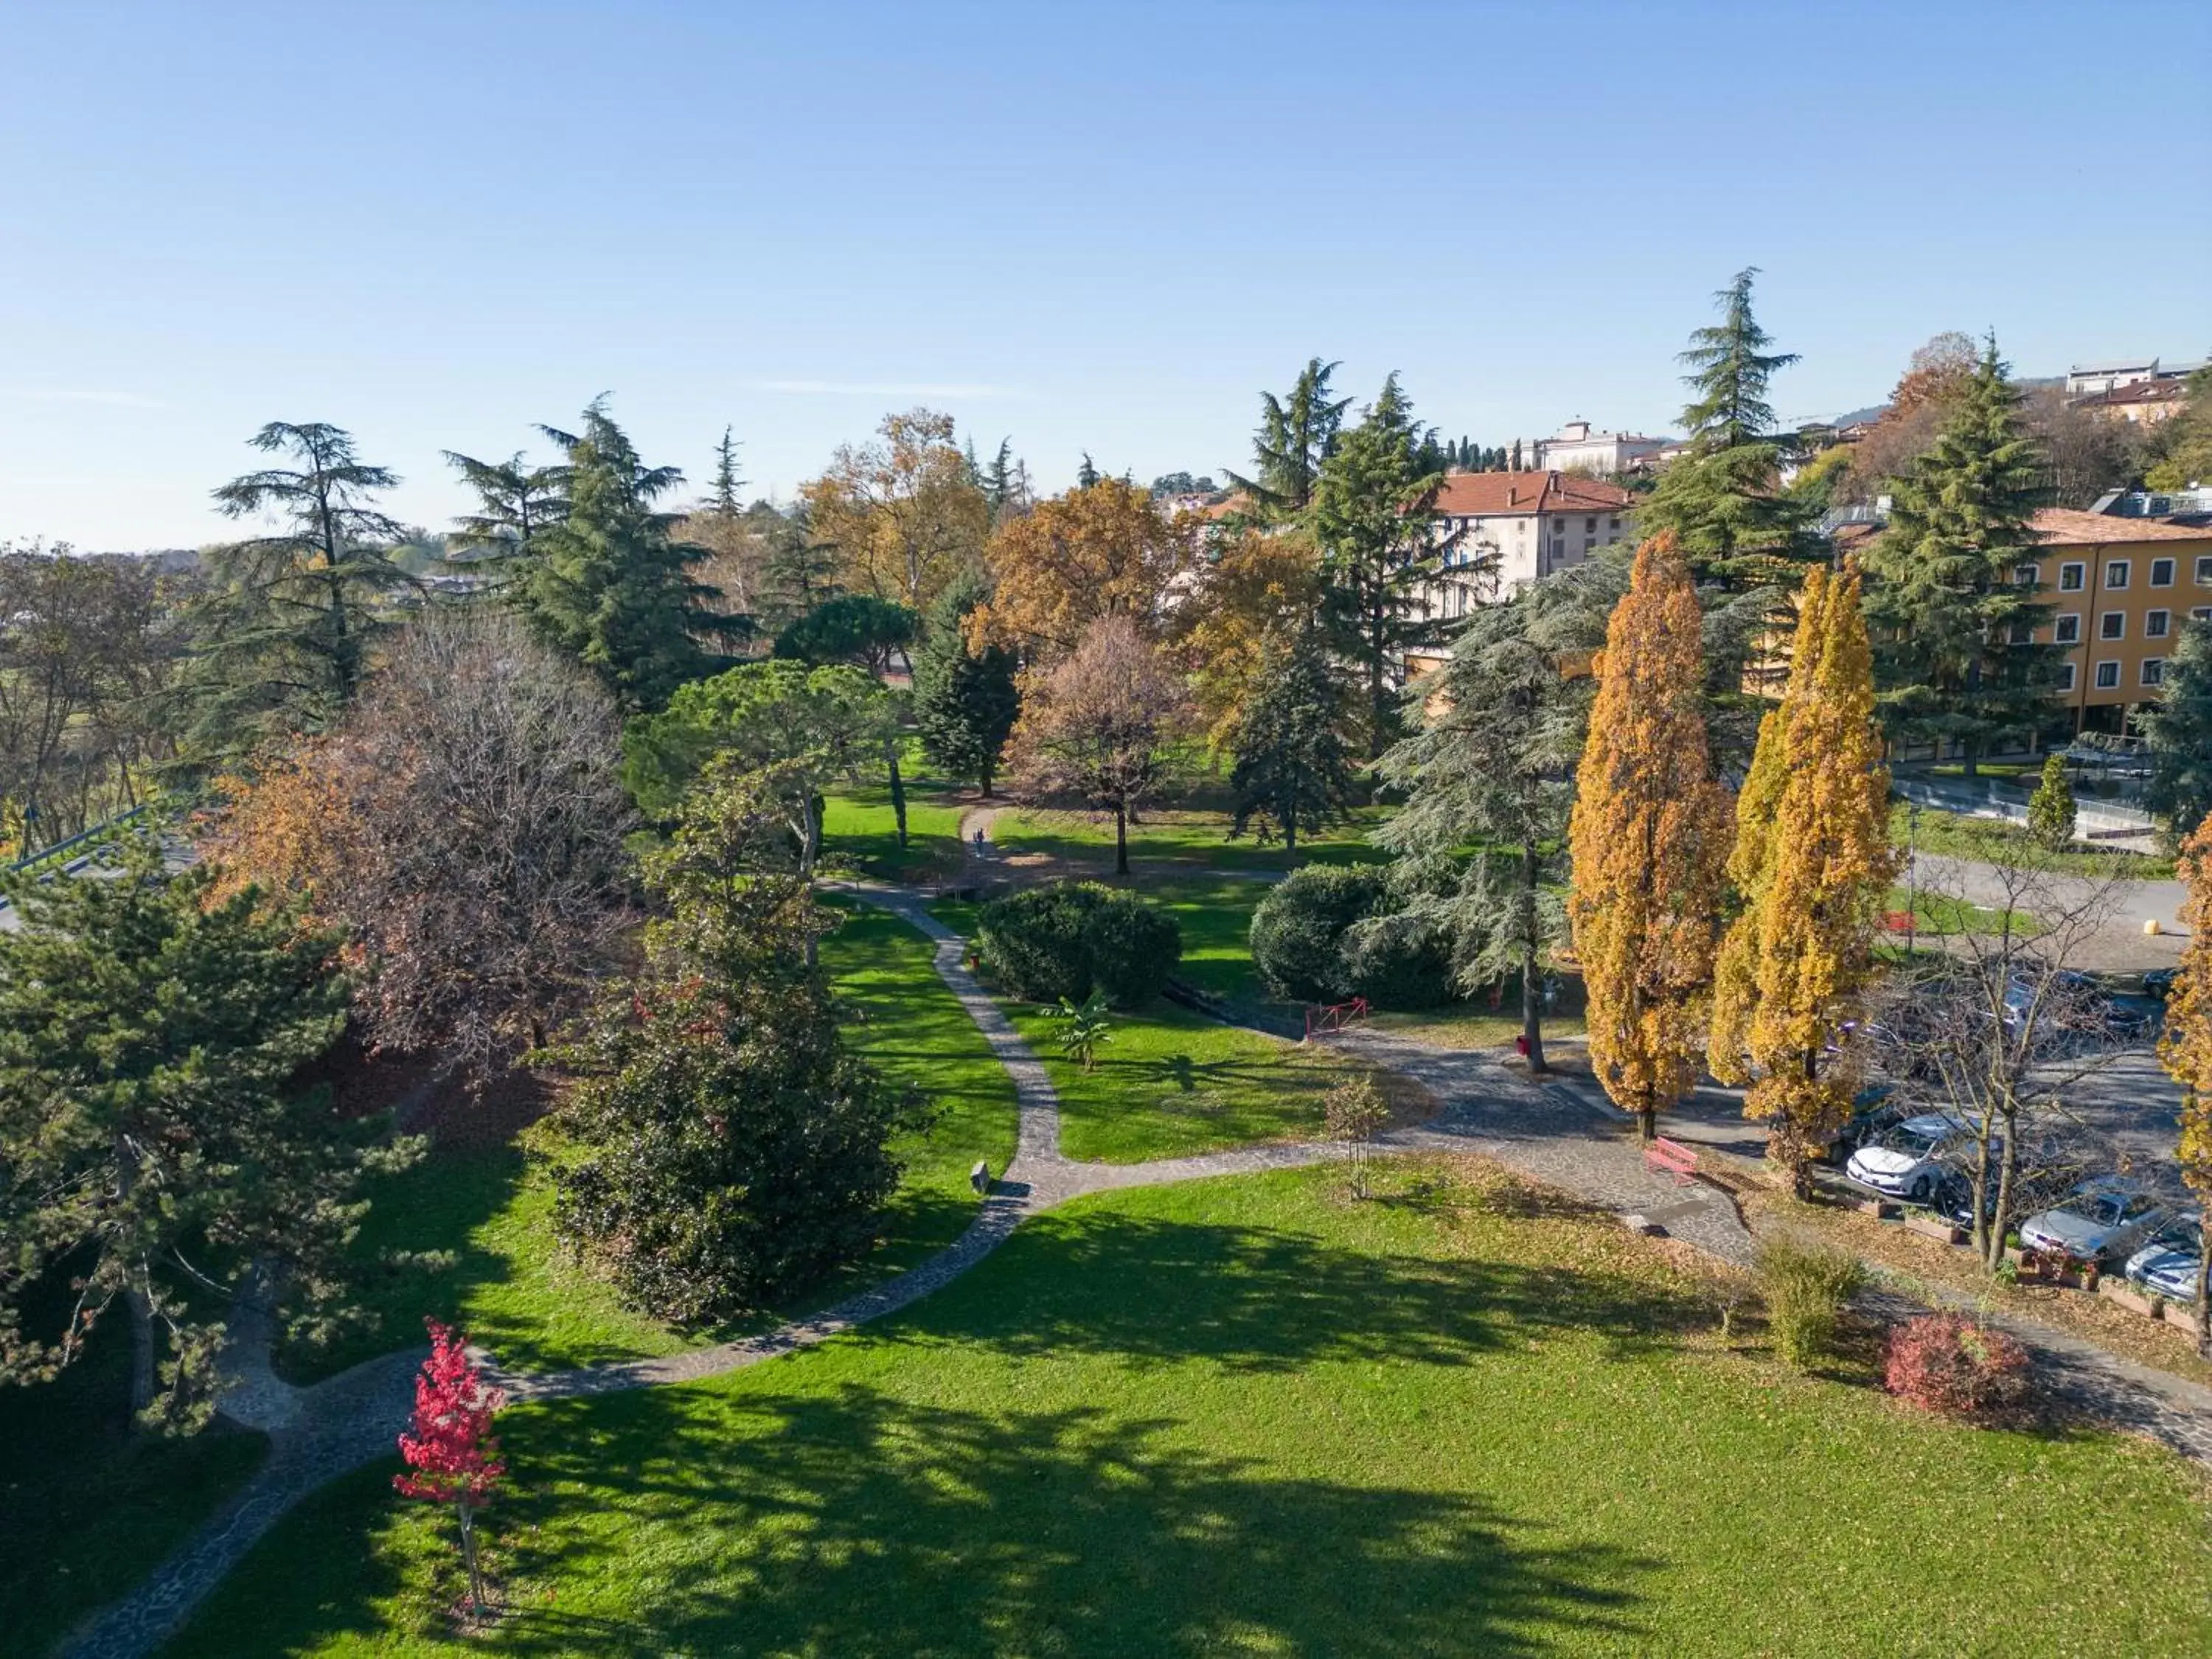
(2204, 573)
(2026, 575)
(2108, 676)
(2070, 577)
(2112, 625)
(1589, 527)
(2116, 573)
(1614, 523)
(2068, 630)
(2162, 572)
(2200, 613)
(2065, 677)
(2153, 670)
(2154, 625)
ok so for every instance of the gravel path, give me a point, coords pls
(1555, 1132)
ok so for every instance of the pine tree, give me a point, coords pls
(610, 586)
(1004, 482)
(1723, 501)
(159, 1140)
(1514, 466)
(515, 501)
(1954, 622)
(1380, 551)
(1491, 766)
(1296, 436)
(2179, 728)
(1291, 771)
(723, 497)
(2050, 809)
(1087, 474)
(964, 702)
(801, 570)
(1649, 838)
(2184, 1049)
(1811, 864)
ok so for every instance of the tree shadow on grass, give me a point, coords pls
(857, 1524)
(1264, 1298)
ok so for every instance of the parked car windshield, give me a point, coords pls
(1918, 1142)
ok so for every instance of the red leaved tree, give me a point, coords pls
(451, 1455)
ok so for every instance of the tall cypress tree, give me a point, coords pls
(1380, 551)
(1291, 771)
(1723, 501)
(1953, 623)
(1296, 433)
(611, 584)
(722, 497)
(964, 702)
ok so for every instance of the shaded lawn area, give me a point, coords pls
(1248, 1416)
(86, 1507)
(1186, 836)
(514, 1291)
(859, 827)
(1169, 1082)
(1995, 840)
(1476, 1024)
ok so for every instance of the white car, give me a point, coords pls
(1906, 1161)
(2167, 1263)
(2101, 1219)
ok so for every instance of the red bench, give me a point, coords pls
(1671, 1157)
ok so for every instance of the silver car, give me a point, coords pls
(2099, 1221)
(2166, 1266)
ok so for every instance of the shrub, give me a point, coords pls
(1297, 931)
(1945, 1362)
(1060, 942)
(2051, 810)
(1032, 941)
(1397, 961)
(1805, 1287)
(1131, 948)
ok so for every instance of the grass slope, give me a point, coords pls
(1247, 1417)
(1995, 841)
(859, 827)
(1195, 837)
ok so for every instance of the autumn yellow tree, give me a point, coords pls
(1260, 584)
(1106, 549)
(1649, 839)
(2185, 1048)
(1811, 863)
(902, 515)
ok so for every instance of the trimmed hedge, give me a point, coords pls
(1045, 943)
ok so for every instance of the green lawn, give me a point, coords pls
(1993, 840)
(87, 1507)
(1169, 1082)
(1199, 838)
(1249, 1417)
(859, 827)
(516, 1293)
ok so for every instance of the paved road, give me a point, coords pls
(2118, 944)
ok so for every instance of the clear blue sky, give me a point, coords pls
(1086, 227)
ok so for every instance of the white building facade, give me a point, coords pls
(1577, 448)
(1509, 529)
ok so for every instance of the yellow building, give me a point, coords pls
(2122, 589)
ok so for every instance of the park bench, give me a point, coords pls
(1662, 1155)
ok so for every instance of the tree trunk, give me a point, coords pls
(1532, 1006)
(2203, 1303)
(1647, 1122)
(2007, 1169)
(988, 769)
(469, 1556)
(898, 790)
(140, 1300)
(1121, 839)
(810, 844)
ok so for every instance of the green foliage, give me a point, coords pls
(1380, 551)
(732, 1149)
(287, 621)
(1297, 434)
(1724, 500)
(853, 627)
(515, 501)
(1063, 942)
(829, 723)
(1082, 1027)
(1352, 1113)
(1805, 1287)
(1952, 622)
(964, 702)
(1292, 772)
(157, 1136)
(2179, 728)
(1297, 931)
(609, 584)
(2181, 446)
(2051, 810)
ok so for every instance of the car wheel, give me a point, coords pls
(1919, 1193)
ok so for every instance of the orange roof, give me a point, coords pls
(1483, 495)
(2064, 526)
(2136, 392)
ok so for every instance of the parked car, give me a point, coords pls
(1906, 1159)
(2168, 1264)
(1874, 1109)
(2102, 1220)
(2158, 984)
(2074, 1006)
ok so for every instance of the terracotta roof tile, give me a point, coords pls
(2064, 526)
(1481, 495)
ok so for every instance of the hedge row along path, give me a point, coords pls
(1551, 1132)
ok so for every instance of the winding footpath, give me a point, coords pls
(1551, 1132)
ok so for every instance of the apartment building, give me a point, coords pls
(2122, 589)
(1576, 447)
